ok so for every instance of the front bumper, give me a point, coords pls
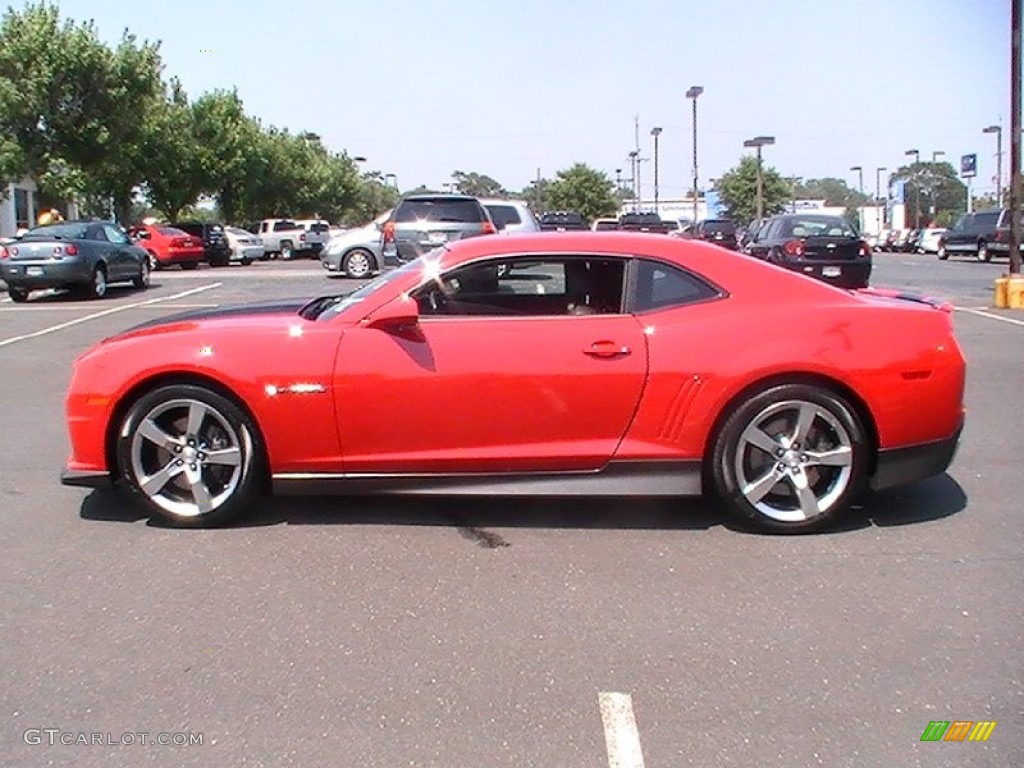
(86, 478)
(902, 466)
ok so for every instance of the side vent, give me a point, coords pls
(679, 409)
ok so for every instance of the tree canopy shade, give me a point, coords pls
(738, 190)
(95, 124)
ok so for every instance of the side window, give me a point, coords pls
(530, 286)
(96, 233)
(114, 235)
(661, 285)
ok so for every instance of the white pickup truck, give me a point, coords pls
(288, 238)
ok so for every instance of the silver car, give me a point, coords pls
(421, 223)
(355, 252)
(511, 215)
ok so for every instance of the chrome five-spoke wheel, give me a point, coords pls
(189, 452)
(791, 458)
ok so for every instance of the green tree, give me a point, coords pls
(585, 190)
(835, 192)
(477, 184)
(175, 176)
(71, 109)
(373, 197)
(738, 190)
(932, 189)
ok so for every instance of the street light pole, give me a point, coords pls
(998, 131)
(1015, 142)
(656, 132)
(917, 188)
(758, 142)
(634, 167)
(693, 93)
(878, 197)
(860, 188)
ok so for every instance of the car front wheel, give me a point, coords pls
(193, 456)
(983, 252)
(358, 264)
(141, 280)
(790, 459)
(942, 253)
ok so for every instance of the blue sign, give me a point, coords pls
(714, 204)
(897, 191)
(968, 165)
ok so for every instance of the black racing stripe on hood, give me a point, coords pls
(280, 307)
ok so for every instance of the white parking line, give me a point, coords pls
(621, 737)
(104, 313)
(982, 313)
(78, 307)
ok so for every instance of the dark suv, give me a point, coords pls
(642, 222)
(718, 231)
(216, 250)
(981, 234)
(420, 223)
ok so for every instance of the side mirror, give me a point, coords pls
(400, 317)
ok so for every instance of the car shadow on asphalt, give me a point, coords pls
(476, 517)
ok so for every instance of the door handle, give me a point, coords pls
(606, 349)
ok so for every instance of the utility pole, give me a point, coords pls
(656, 132)
(693, 93)
(1015, 128)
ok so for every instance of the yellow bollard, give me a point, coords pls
(1015, 292)
(1002, 300)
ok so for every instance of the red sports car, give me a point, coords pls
(167, 246)
(586, 363)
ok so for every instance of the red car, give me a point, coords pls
(572, 363)
(167, 246)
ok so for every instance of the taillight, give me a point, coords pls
(865, 249)
(302, 238)
(794, 248)
(489, 228)
(389, 232)
(3, 253)
(1001, 235)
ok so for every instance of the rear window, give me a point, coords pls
(818, 226)
(319, 228)
(172, 231)
(715, 227)
(280, 226)
(458, 211)
(986, 219)
(562, 218)
(503, 215)
(63, 231)
(192, 229)
(605, 226)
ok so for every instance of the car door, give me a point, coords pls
(497, 375)
(121, 261)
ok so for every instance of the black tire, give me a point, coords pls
(170, 449)
(773, 500)
(983, 253)
(142, 280)
(154, 262)
(188, 266)
(358, 263)
(18, 294)
(97, 287)
(246, 262)
(287, 252)
(942, 253)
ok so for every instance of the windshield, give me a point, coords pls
(329, 307)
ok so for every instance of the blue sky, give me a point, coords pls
(425, 87)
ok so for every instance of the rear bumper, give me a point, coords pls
(54, 274)
(901, 466)
(86, 478)
(852, 274)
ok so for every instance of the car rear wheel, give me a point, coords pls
(358, 264)
(18, 294)
(983, 252)
(97, 287)
(790, 459)
(154, 262)
(142, 280)
(286, 251)
(193, 456)
(942, 253)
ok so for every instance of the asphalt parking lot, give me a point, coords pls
(456, 632)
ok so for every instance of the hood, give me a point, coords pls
(235, 311)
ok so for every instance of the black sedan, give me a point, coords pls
(825, 247)
(84, 256)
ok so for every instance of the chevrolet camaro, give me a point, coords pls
(591, 363)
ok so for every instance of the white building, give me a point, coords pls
(18, 207)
